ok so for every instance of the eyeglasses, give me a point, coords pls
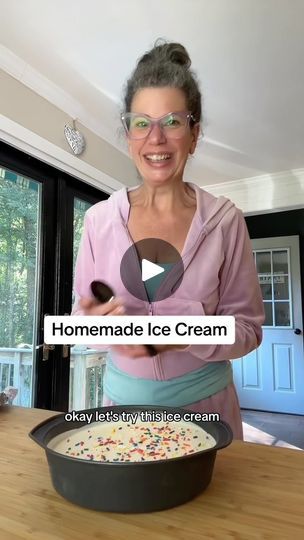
(173, 125)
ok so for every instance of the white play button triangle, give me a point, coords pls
(149, 270)
(136, 269)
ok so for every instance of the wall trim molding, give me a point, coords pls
(264, 194)
(23, 139)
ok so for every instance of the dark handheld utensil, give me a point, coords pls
(103, 293)
(151, 350)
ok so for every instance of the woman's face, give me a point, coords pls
(157, 102)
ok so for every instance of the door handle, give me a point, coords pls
(46, 351)
(65, 351)
(66, 348)
(297, 331)
(47, 348)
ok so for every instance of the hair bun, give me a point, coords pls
(176, 53)
(167, 52)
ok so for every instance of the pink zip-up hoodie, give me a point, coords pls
(219, 279)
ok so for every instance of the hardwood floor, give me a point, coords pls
(274, 429)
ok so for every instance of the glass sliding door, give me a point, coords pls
(20, 214)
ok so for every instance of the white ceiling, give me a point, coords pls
(248, 55)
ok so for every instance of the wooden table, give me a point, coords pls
(256, 492)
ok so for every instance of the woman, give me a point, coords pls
(162, 122)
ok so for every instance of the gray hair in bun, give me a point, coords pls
(166, 64)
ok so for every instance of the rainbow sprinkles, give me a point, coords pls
(125, 442)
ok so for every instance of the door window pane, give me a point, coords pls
(280, 262)
(281, 287)
(268, 314)
(281, 311)
(19, 225)
(274, 279)
(86, 365)
(263, 262)
(266, 287)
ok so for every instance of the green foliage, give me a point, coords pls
(80, 208)
(19, 219)
(18, 257)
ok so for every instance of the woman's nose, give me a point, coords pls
(157, 134)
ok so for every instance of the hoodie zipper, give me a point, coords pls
(155, 359)
(158, 370)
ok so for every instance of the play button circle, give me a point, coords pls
(151, 269)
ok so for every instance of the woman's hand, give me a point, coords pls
(90, 306)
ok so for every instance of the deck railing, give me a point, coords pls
(86, 376)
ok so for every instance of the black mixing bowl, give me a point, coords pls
(130, 486)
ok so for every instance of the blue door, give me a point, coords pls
(271, 378)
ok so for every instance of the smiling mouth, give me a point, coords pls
(157, 158)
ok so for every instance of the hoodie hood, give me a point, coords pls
(211, 209)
